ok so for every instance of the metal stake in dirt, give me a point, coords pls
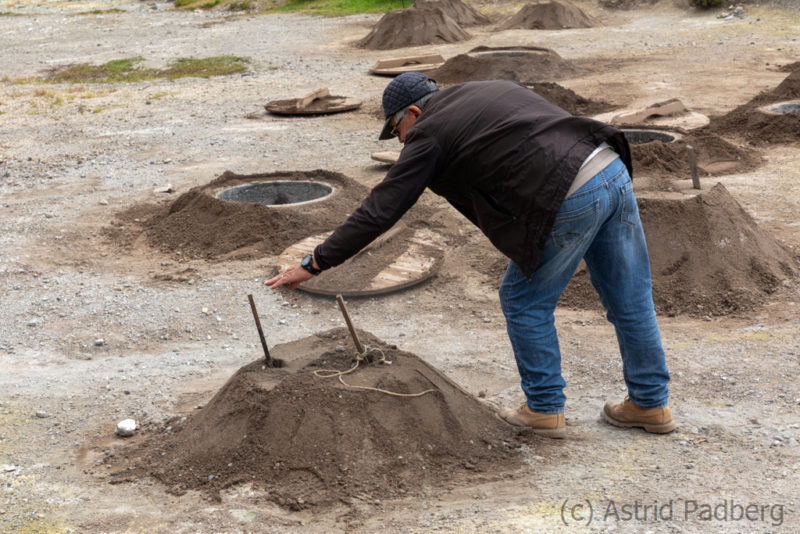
(342, 307)
(693, 166)
(260, 332)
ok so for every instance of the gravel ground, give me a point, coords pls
(89, 336)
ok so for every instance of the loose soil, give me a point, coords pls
(413, 27)
(463, 14)
(758, 128)
(120, 302)
(708, 257)
(200, 225)
(536, 64)
(547, 15)
(308, 439)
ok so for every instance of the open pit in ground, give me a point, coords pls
(198, 224)
(307, 438)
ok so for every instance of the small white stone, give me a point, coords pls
(126, 427)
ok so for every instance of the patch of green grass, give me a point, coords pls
(159, 95)
(183, 3)
(101, 11)
(344, 7)
(131, 70)
(209, 5)
(240, 6)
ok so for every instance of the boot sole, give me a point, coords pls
(553, 433)
(662, 428)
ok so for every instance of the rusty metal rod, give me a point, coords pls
(260, 332)
(342, 307)
(693, 166)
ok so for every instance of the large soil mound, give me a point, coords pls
(200, 225)
(707, 255)
(463, 14)
(413, 27)
(525, 65)
(307, 440)
(761, 128)
(547, 15)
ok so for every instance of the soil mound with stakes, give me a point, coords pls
(463, 14)
(758, 127)
(526, 65)
(199, 225)
(308, 441)
(708, 257)
(413, 27)
(657, 164)
(547, 15)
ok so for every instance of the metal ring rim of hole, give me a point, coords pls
(278, 193)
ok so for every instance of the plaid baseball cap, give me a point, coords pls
(401, 92)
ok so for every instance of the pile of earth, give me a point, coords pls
(547, 15)
(757, 127)
(307, 435)
(569, 100)
(200, 225)
(463, 14)
(708, 257)
(413, 27)
(657, 164)
(523, 64)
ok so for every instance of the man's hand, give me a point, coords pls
(293, 276)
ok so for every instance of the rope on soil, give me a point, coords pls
(334, 373)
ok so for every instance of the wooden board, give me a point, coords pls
(399, 65)
(385, 157)
(420, 260)
(318, 106)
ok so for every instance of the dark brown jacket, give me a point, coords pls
(499, 153)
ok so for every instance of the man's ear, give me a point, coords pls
(414, 110)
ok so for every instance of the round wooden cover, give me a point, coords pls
(320, 106)
(404, 258)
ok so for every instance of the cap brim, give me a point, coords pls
(386, 133)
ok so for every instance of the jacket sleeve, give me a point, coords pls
(385, 205)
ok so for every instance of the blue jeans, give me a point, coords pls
(599, 223)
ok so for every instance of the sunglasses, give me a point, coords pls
(397, 119)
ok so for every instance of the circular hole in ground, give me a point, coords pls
(507, 53)
(279, 193)
(640, 137)
(786, 108)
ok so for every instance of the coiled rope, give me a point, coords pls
(334, 373)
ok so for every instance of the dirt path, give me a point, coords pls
(94, 331)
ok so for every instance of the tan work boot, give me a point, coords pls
(547, 424)
(627, 414)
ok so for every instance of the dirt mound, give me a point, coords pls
(547, 15)
(708, 257)
(463, 14)
(569, 100)
(413, 27)
(525, 65)
(200, 225)
(656, 165)
(760, 127)
(308, 441)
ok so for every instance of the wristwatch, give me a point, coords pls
(307, 263)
